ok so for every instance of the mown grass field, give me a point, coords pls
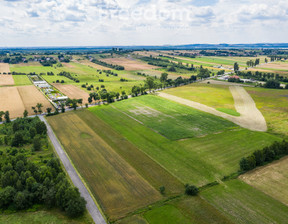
(216, 96)
(183, 210)
(195, 160)
(21, 80)
(245, 204)
(115, 184)
(273, 104)
(170, 119)
(43, 217)
(156, 175)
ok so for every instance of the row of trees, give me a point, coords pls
(252, 63)
(267, 154)
(116, 67)
(68, 75)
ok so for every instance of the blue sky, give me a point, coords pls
(142, 22)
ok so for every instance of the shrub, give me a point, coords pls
(191, 190)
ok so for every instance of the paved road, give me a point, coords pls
(91, 206)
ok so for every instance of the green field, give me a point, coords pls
(170, 119)
(244, 204)
(273, 104)
(21, 80)
(86, 75)
(183, 210)
(43, 217)
(216, 96)
(156, 175)
(195, 160)
(115, 184)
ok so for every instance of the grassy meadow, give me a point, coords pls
(245, 204)
(216, 96)
(43, 217)
(172, 120)
(273, 104)
(21, 80)
(194, 160)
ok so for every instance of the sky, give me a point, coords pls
(28, 23)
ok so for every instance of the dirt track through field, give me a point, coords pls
(250, 118)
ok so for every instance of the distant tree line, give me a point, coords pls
(266, 155)
(45, 62)
(262, 76)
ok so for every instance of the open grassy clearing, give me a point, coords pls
(117, 186)
(245, 204)
(21, 80)
(273, 104)
(216, 96)
(184, 210)
(198, 160)
(156, 175)
(171, 119)
(26, 68)
(43, 217)
(272, 179)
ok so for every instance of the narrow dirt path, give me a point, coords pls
(250, 118)
(91, 206)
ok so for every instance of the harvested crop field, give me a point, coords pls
(73, 92)
(30, 96)
(276, 65)
(10, 100)
(129, 64)
(4, 68)
(272, 179)
(6, 80)
(18, 99)
(115, 184)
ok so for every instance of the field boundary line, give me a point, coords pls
(91, 205)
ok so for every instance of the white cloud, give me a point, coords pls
(93, 22)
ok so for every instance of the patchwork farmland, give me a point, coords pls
(139, 153)
(17, 99)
